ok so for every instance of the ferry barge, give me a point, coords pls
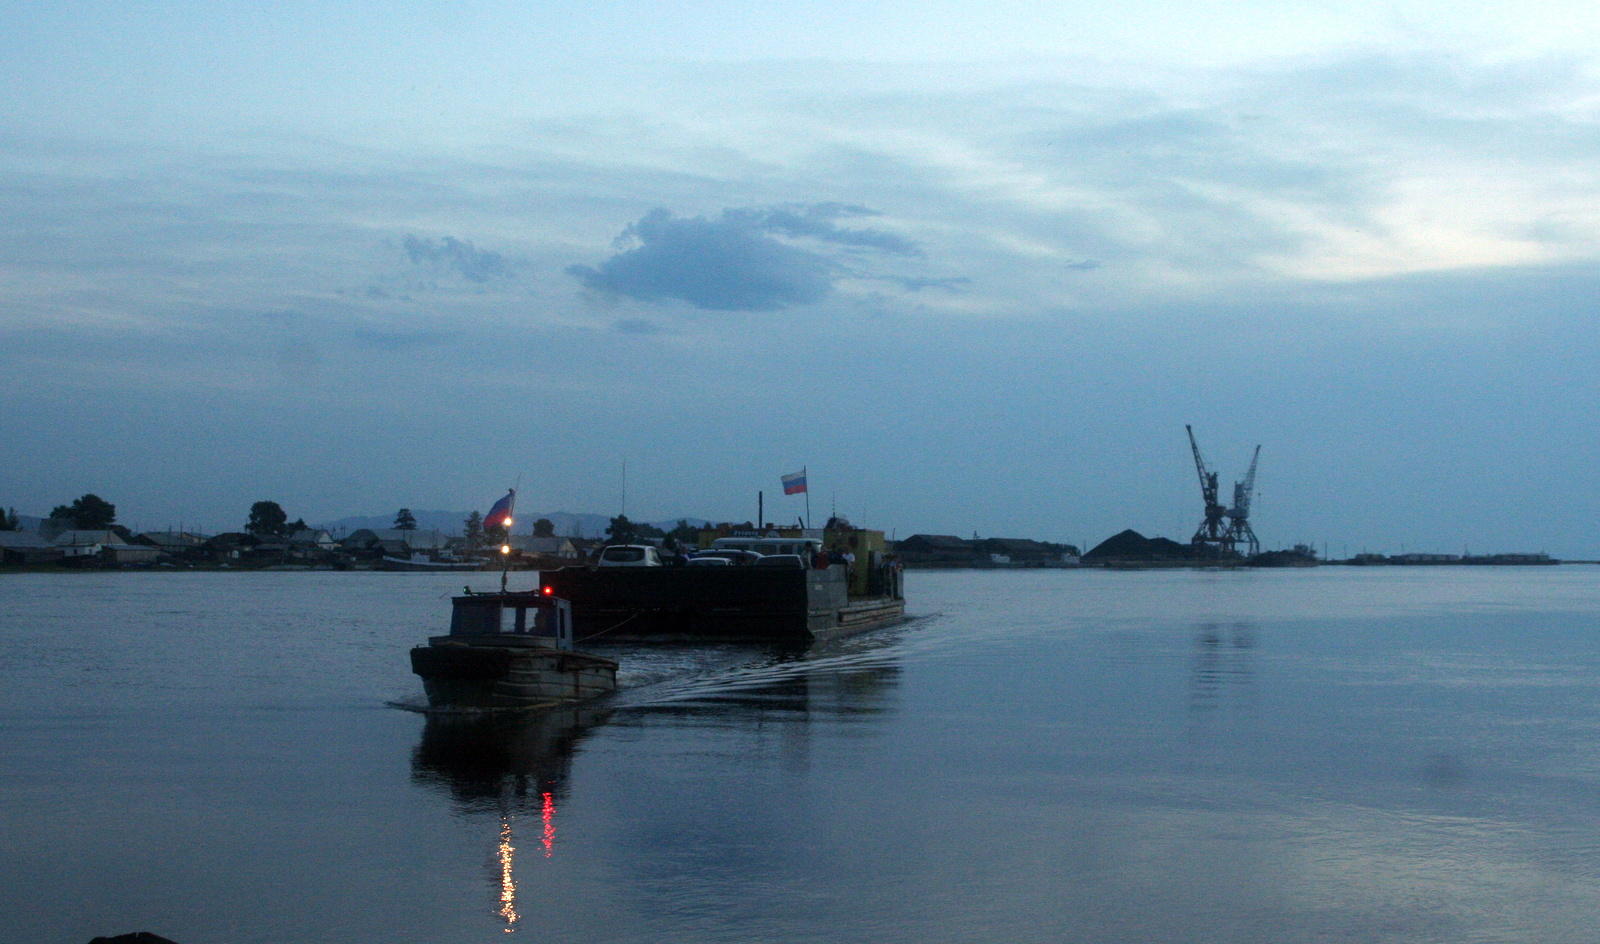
(510, 650)
(781, 596)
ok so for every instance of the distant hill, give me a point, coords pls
(567, 524)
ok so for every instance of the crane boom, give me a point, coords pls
(1211, 531)
(1243, 491)
(1199, 463)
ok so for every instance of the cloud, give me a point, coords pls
(744, 260)
(816, 221)
(472, 263)
(917, 285)
(636, 326)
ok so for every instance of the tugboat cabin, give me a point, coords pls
(530, 618)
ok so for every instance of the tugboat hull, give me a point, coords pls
(456, 674)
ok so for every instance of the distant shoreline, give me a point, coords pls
(1119, 566)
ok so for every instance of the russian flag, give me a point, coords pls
(500, 515)
(795, 483)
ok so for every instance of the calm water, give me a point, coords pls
(1329, 755)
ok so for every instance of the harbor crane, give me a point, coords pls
(1224, 529)
(1239, 531)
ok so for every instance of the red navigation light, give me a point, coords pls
(548, 590)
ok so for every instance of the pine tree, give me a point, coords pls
(404, 520)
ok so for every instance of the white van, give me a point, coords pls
(804, 547)
(629, 555)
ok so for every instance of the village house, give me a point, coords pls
(26, 547)
(398, 543)
(231, 545)
(104, 546)
(176, 545)
(313, 539)
(551, 552)
(544, 547)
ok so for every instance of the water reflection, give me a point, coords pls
(508, 878)
(1223, 659)
(514, 766)
(517, 768)
(491, 763)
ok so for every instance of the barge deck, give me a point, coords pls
(774, 603)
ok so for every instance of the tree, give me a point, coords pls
(474, 529)
(89, 513)
(621, 530)
(9, 522)
(544, 528)
(404, 520)
(267, 519)
(685, 534)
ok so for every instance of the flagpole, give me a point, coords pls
(511, 522)
(807, 480)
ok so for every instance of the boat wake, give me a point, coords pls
(734, 674)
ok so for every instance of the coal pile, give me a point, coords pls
(1130, 545)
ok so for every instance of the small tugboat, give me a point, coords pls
(509, 650)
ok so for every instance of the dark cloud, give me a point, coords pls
(743, 260)
(472, 263)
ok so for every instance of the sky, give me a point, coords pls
(973, 266)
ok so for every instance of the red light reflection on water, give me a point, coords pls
(549, 825)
